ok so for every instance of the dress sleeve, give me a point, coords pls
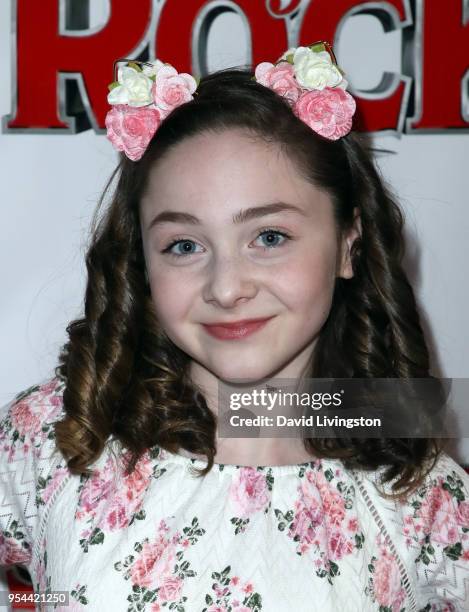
(437, 531)
(26, 451)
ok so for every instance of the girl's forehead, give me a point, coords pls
(224, 152)
(226, 166)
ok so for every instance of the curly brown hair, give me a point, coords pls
(124, 377)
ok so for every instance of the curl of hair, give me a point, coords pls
(125, 378)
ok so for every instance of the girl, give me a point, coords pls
(249, 236)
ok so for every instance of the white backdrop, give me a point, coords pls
(50, 185)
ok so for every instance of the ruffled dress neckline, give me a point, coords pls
(188, 461)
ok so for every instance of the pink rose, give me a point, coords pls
(50, 386)
(155, 561)
(311, 498)
(130, 128)
(333, 503)
(172, 89)
(97, 490)
(249, 492)
(439, 516)
(143, 566)
(387, 582)
(463, 514)
(92, 495)
(353, 524)
(24, 420)
(280, 78)
(303, 526)
(339, 545)
(117, 517)
(328, 112)
(171, 588)
(11, 552)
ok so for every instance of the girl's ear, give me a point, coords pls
(345, 264)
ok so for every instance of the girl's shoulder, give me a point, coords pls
(31, 467)
(442, 496)
(27, 421)
(444, 477)
(428, 531)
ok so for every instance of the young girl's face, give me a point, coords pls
(274, 263)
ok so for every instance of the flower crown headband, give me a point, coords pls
(307, 77)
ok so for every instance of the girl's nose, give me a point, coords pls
(229, 280)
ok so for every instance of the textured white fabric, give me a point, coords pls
(307, 537)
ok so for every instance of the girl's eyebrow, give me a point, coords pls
(171, 216)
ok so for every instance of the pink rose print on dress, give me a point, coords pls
(332, 500)
(155, 562)
(31, 419)
(108, 503)
(171, 589)
(339, 545)
(328, 112)
(117, 517)
(11, 549)
(130, 129)
(158, 572)
(462, 516)
(385, 584)
(322, 523)
(280, 78)
(307, 523)
(440, 520)
(438, 516)
(26, 427)
(248, 494)
(94, 493)
(24, 420)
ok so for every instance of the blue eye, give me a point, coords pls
(275, 234)
(186, 243)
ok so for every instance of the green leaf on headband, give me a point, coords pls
(318, 48)
(197, 80)
(289, 58)
(134, 66)
(113, 85)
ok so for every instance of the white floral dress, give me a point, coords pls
(292, 538)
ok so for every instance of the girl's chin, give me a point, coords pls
(242, 375)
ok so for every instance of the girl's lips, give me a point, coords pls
(234, 332)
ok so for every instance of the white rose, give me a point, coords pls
(134, 88)
(153, 69)
(315, 70)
